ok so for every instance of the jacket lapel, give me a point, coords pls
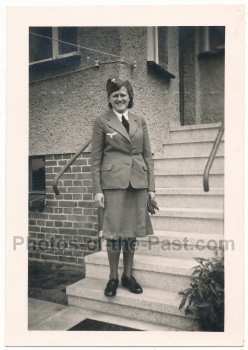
(114, 123)
(133, 124)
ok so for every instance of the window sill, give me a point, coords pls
(46, 69)
(59, 57)
(156, 68)
(211, 54)
(37, 193)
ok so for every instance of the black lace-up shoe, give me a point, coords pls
(131, 284)
(110, 290)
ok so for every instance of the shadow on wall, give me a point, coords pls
(212, 83)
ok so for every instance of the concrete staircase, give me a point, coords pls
(163, 262)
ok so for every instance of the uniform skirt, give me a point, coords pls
(126, 214)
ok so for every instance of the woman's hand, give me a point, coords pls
(151, 203)
(151, 195)
(99, 200)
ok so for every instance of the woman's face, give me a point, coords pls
(119, 100)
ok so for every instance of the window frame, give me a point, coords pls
(55, 49)
(207, 45)
(153, 62)
(152, 44)
(30, 178)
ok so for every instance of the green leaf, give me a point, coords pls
(197, 279)
(200, 260)
(188, 291)
(211, 265)
(213, 289)
(188, 312)
(200, 292)
(191, 300)
(196, 271)
(182, 303)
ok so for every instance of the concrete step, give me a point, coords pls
(167, 273)
(180, 149)
(153, 305)
(70, 316)
(176, 244)
(189, 164)
(190, 198)
(185, 179)
(201, 132)
(189, 220)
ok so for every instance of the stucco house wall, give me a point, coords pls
(63, 108)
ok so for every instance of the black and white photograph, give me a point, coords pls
(154, 98)
(126, 179)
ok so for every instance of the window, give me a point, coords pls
(152, 44)
(157, 45)
(157, 51)
(46, 47)
(37, 183)
(211, 38)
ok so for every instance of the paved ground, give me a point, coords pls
(40, 311)
(43, 315)
(48, 280)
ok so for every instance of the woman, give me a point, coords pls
(123, 180)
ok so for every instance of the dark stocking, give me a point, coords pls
(114, 250)
(128, 254)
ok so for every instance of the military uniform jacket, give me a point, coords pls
(118, 158)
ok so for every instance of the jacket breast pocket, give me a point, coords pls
(106, 167)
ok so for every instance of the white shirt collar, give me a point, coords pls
(119, 115)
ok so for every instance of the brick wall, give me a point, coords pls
(66, 230)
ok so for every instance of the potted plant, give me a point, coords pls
(205, 297)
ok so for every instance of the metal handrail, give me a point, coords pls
(66, 166)
(206, 171)
(211, 157)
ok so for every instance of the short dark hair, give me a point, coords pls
(116, 84)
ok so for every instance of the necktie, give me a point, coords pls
(125, 123)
